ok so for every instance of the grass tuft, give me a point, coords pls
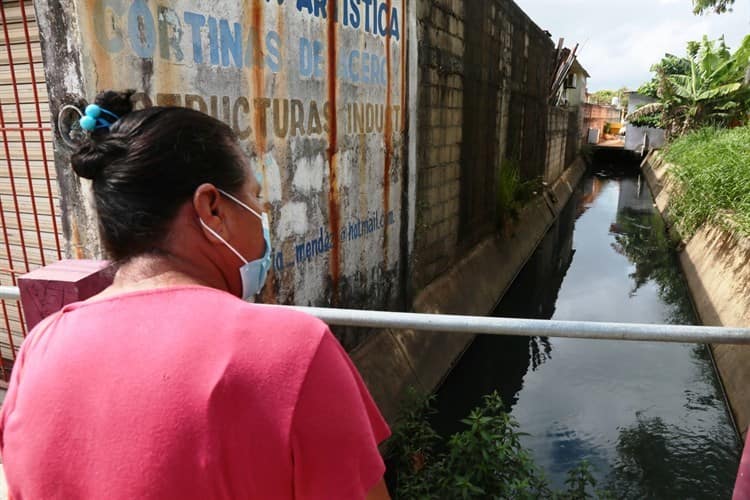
(712, 170)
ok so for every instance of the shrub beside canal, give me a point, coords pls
(712, 170)
(486, 460)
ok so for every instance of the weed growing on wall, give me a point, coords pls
(512, 191)
(486, 460)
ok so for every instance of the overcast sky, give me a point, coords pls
(623, 41)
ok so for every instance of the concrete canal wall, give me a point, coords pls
(714, 262)
(379, 129)
(394, 360)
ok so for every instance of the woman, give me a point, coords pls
(167, 384)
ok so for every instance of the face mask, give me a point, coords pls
(253, 274)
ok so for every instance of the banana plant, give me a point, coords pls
(714, 92)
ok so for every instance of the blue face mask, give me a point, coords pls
(253, 273)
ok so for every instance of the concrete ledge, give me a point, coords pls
(393, 360)
(714, 263)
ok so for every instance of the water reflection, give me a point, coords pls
(649, 417)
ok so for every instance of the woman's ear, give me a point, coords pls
(209, 208)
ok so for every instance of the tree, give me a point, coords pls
(604, 97)
(714, 90)
(718, 6)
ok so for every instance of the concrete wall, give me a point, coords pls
(636, 138)
(577, 96)
(636, 100)
(316, 96)
(484, 76)
(558, 147)
(595, 116)
(394, 360)
(714, 262)
(355, 223)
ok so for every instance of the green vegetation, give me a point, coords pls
(604, 97)
(707, 88)
(484, 461)
(647, 120)
(712, 171)
(718, 6)
(512, 191)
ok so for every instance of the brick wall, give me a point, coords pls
(595, 116)
(440, 31)
(557, 138)
(484, 71)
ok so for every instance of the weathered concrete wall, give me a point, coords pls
(557, 143)
(315, 92)
(319, 102)
(638, 137)
(394, 360)
(714, 263)
(595, 116)
(484, 77)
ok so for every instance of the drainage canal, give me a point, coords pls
(650, 418)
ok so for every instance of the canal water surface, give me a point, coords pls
(650, 418)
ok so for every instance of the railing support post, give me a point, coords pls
(46, 290)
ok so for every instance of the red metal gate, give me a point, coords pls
(29, 203)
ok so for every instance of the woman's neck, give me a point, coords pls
(158, 271)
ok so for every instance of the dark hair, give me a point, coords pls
(148, 164)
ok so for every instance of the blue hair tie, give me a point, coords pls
(93, 118)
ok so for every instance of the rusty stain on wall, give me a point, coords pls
(387, 129)
(333, 192)
(312, 90)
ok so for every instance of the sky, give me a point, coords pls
(620, 41)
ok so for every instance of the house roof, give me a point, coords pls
(577, 68)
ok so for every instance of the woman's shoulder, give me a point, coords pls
(274, 326)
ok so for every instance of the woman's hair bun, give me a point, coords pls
(118, 103)
(94, 155)
(102, 148)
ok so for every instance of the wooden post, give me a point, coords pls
(46, 290)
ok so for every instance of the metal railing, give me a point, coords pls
(452, 323)
(29, 229)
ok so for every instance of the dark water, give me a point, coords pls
(650, 418)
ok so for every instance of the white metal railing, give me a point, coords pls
(451, 323)
(9, 293)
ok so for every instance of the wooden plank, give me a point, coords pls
(15, 331)
(21, 54)
(32, 152)
(30, 135)
(25, 94)
(22, 188)
(36, 168)
(23, 204)
(38, 188)
(27, 221)
(30, 240)
(13, 12)
(16, 262)
(17, 35)
(28, 114)
(22, 73)
(33, 255)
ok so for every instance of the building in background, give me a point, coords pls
(641, 139)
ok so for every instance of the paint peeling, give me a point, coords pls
(293, 220)
(308, 175)
(315, 99)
